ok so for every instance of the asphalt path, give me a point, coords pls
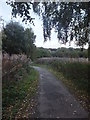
(55, 100)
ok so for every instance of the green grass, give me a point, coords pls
(21, 86)
(76, 72)
(75, 76)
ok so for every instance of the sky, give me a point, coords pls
(5, 12)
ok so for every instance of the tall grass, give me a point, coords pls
(75, 71)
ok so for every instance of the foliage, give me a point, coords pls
(22, 9)
(16, 89)
(70, 52)
(75, 25)
(62, 52)
(12, 40)
(29, 43)
(16, 40)
(75, 70)
(42, 52)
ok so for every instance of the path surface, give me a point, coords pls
(55, 101)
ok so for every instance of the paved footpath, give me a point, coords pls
(55, 101)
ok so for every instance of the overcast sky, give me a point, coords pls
(5, 12)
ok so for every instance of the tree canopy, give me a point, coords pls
(70, 20)
(12, 39)
(42, 52)
(29, 42)
(17, 40)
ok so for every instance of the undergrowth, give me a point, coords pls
(15, 88)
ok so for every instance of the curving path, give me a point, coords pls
(55, 101)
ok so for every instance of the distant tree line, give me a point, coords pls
(42, 52)
(62, 52)
(17, 40)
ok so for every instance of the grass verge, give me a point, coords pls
(17, 89)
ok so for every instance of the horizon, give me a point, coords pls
(62, 47)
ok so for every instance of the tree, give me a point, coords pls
(70, 20)
(29, 42)
(16, 40)
(70, 53)
(42, 52)
(13, 38)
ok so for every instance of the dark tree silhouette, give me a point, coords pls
(70, 20)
